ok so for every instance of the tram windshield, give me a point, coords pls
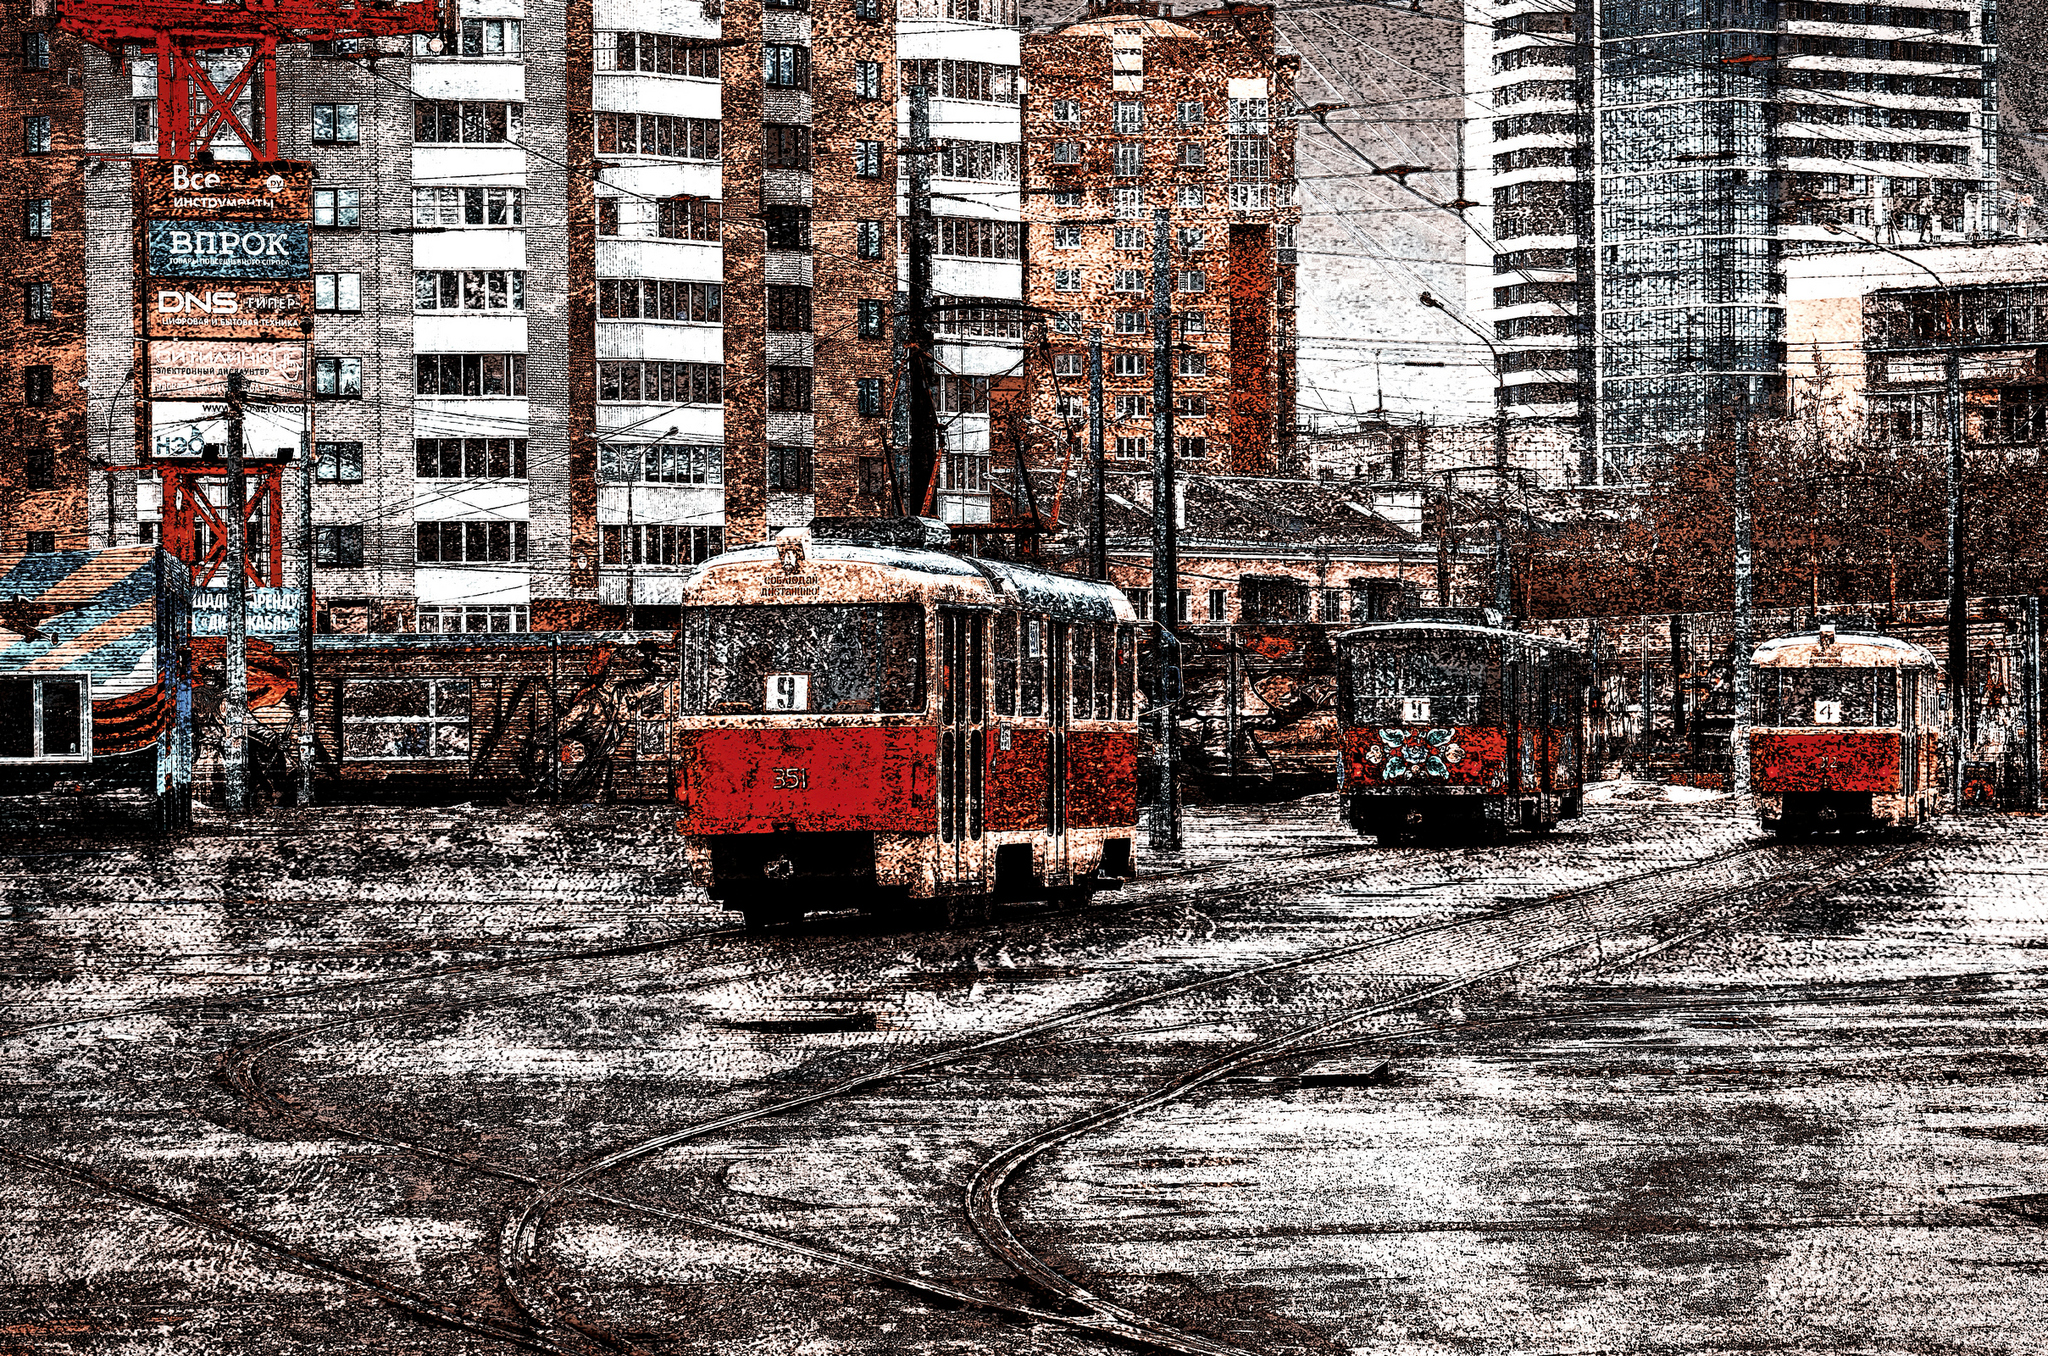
(1796, 697)
(1419, 680)
(816, 658)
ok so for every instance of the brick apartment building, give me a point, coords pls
(600, 285)
(1132, 109)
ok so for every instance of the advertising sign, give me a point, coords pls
(196, 430)
(229, 249)
(227, 191)
(227, 309)
(198, 369)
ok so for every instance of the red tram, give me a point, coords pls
(867, 721)
(1449, 724)
(1846, 733)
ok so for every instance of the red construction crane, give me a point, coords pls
(192, 109)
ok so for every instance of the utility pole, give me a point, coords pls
(1745, 620)
(1098, 541)
(235, 697)
(1443, 544)
(1958, 605)
(924, 424)
(303, 548)
(1165, 533)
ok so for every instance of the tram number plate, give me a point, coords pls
(1827, 713)
(1415, 710)
(792, 778)
(788, 692)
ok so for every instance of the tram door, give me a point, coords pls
(963, 736)
(1058, 695)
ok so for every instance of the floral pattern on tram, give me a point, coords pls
(1401, 754)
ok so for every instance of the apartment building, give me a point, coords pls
(1130, 110)
(1643, 170)
(599, 286)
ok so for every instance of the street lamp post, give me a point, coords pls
(1952, 420)
(1503, 582)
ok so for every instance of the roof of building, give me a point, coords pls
(1847, 650)
(1103, 25)
(1266, 513)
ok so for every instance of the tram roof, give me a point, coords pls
(1849, 651)
(1465, 630)
(1064, 597)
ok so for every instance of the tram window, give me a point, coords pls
(43, 718)
(1800, 697)
(1082, 639)
(1417, 682)
(1031, 669)
(1006, 664)
(1105, 671)
(1126, 669)
(850, 659)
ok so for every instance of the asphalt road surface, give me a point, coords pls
(466, 1081)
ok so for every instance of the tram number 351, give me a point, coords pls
(792, 778)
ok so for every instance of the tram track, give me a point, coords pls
(243, 1066)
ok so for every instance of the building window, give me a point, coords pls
(660, 299)
(789, 389)
(867, 9)
(785, 65)
(1066, 197)
(145, 120)
(1193, 280)
(41, 468)
(688, 218)
(1194, 155)
(1130, 280)
(1195, 406)
(1069, 365)
(334, 124)
(38, 384)
(867, 79)
(661, 383)
(867, 239)
(867, 159)
(473, 289)
(1189, 195)
(1126, 203)
(1193, 322)
(872, 318)
(1066, 153)
(41, 543)
(45, 718)
(1132, 322)
(1131, 407)
(337, 291)
(469, 458)
(1066, 237)
(470, 374)
(1130, 364)
(1190, 113)
(874, 477)
(37, 218)
(660, 544)
(787, 227)
(1251, 159)
(469, 121)
(1194, 447)
(980, 81)
(406, 719)
(35, 134)
(35, 51)
(1128, 118)
(1133, 238)
(1130, 449)
(655, 463)
(655, 134)
(789, 468)
(1127, 158)
(1066, 322)
(469, 543)
(657, 54)
(447, 618)
(1218, 605)
(994, 161)
(963, 395)
(338, 378)
(785, 146)
(1192, 239)
(1066, 280)
(338, 208)
(471, 206)
(338, 462)
(607, 216)
(1248, 117)
(789, 309)
(1066, 110)
(338, 544)
(490, 37)
(1194, 364)
(977, 238)
(39, 301)
(869, 390)
(1180, 603)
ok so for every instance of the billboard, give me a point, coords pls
(227, 191)
(229, 249)
(191, 369)
(197, 430)
(241, 309)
